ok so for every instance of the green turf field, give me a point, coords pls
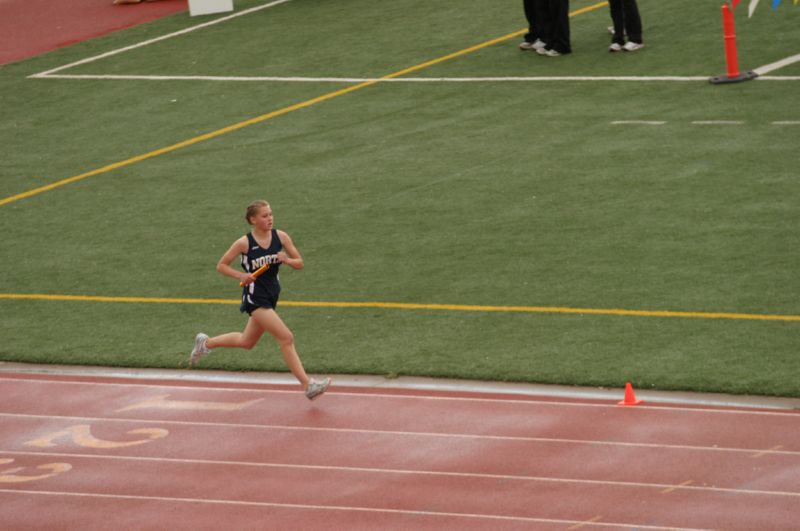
(503, 229)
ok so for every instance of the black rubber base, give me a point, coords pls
(744, 76)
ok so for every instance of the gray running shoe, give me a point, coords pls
(200, 349)
(315, 388)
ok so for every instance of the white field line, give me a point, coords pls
(717, 122)
(699, 122)
(418, 434)
(159, 39)
(407, 472)
(337, 508)
(637, 122)
(134, 77)
(427, 398)
(766, 69)
(114, 77)
(296, 79)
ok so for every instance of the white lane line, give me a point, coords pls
(390, 396)
(402, 433)
(761, 70)
(433, 473)
(717, 122)
(113, 77)
(158, 39)
(699, 122)
(334, 508)
(295, 79)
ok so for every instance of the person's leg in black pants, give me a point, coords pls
(633, 22)
(530, 16)
(618, 18)
(625, 15)
(559, 26)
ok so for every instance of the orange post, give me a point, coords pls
(630, 397)
(731, 56)
(729, 34)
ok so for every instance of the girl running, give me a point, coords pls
(269, 247)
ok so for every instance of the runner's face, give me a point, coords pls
(263, 219)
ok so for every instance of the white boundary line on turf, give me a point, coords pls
(612, 404)
(158, 39)
(700, 122)
(417, 434)
(638, 122)
(294, 79)
(375, 79)
(410, 472)
(766, 69)
(338, 508)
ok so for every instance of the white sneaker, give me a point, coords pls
(535, 45)
(315, 388)
(548, 53)
(200, 349)
(631, 46)
(611, 30)
(615, 47)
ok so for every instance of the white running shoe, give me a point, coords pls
(615, 47)
(631, 46)
(315, 388)
(535, 45)
(548, 53)
(200, 349)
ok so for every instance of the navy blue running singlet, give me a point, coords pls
(264, 292)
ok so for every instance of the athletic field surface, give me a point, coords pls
(465, 210)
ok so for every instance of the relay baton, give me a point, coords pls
(257, 273)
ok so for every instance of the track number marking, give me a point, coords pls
(82, 436)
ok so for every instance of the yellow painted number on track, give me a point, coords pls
(11, 475)
(164, 402)
(82, 436)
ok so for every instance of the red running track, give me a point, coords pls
(33, 27)
(77, 452)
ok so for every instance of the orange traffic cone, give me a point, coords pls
(630, 398)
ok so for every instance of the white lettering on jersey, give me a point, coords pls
(262, 260)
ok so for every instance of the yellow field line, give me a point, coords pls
(414, 306)
(268, 116)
